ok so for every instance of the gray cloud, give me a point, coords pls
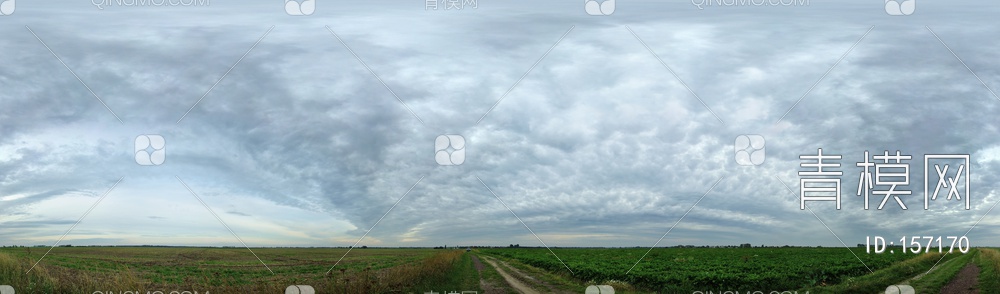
(599, 145)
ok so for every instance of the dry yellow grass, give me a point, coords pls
(991, 255)
(395, 279)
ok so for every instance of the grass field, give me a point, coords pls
(663, 270)
(225, 270)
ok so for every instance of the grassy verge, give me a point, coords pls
(877, 281)
(945, 272)
(457, 274)
(989, 276)
(13, 272)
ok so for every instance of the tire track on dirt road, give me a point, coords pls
(513, 282)
(487, 286)
(965, 282)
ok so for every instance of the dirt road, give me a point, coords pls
(488, 287)
(516, 284)
(965, 281)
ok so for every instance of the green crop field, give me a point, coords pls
(663, 270)
(696, 269)
(700, 270)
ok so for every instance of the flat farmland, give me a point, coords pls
(119, 270)
(221, 270)
(748, 270)
(686, 270)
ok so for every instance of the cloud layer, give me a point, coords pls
(598, 145)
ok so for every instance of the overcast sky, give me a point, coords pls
(599, 144)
